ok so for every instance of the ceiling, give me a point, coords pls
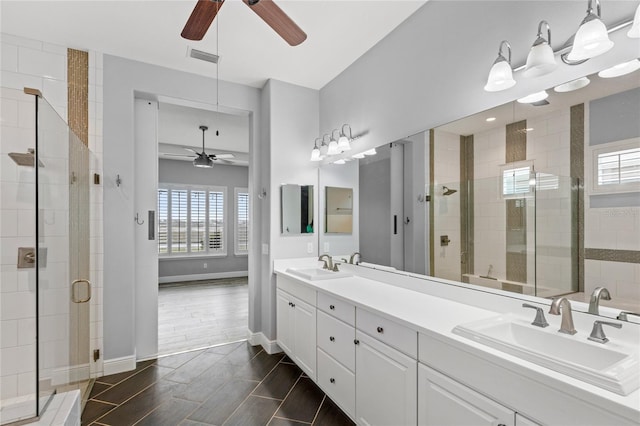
(338, 33)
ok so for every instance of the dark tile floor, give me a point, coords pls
(234, 384)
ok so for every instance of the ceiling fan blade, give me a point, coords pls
(201, 19)
(192, 150)
(278, 20)
(221, 156)
(176, 155)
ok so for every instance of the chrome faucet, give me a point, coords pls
(566, 325)
(597, 335)
(594, 302)
(540, 320)
(353, 256)
(328, 262)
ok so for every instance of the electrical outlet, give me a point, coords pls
(204, 265)
(309, 248)
(326, 247)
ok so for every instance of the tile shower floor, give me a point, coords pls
(233, 384)
(200, 314)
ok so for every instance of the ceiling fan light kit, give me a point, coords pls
(590, 40)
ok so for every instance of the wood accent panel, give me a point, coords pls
(612, 255)
(432, 263)
(515, 209)
(516, 148)
(576, 158)
(78, 93)
(467, 203)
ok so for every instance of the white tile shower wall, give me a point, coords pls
(447, 208)
(17, 287)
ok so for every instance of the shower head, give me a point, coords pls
(448, 191)
(25, 159)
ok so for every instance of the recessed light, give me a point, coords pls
(529, 129)
(360, 155)
(620, 69)
(490, 119)
(572, 85)
(534, 97)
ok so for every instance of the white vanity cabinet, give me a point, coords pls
(386, 379)
(296, 325)
(445, 402)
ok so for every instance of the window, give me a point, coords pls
(191, 220)
(516, 180)
(617, 167)
(242, 221)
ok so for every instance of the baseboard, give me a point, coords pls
(199, 277)
(270, 346)
(119, 365)
(73, 374)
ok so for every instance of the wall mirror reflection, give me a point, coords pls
(531, 198)
(296, 209)
(338, 210)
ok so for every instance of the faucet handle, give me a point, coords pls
(624, 315)
(540, 320)
(597, 334)
(335, 267)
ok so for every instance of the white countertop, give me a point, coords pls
(436, 316)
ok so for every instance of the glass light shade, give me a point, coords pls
(341, 161)
(333, 148)
(315, 154)
(500, 76)
(540, 60)
(324, 149)
(620, 69)
(634, 32)
(591, 40)
(534, 97)
(358, 156)
(370, 152)
(572, 85)
(203, 161)
(343, 143)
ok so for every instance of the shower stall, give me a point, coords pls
(45, 290)
(516, 232)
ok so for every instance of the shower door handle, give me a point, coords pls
(74, 286)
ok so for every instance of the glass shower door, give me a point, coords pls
(63, 255)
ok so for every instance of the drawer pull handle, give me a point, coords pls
(332, 307)
(333, 339)
(380, 330)
(332, 380)
(356, 341)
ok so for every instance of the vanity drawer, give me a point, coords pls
(337, 308)
(389, 332)
(336, 338)
(337, 382)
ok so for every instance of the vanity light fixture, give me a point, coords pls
(572, 85)
(501, 74)
(534, 97)
(344, 142)
(372, 151)
(315, 152)
(490, 119)
(620, 69)
(634, 32)
(358, 156)
(333, 146)
(541, 59)
(592, 38)
(340, 161)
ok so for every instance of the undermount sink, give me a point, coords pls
(315, 274)
(614, 367)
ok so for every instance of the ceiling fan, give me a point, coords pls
(206, 10)
(202, 159)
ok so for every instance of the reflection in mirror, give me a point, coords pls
(535, 199)
(339, 210)
(296, 209)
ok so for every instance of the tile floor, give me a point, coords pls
(200, 314)
(233, 384)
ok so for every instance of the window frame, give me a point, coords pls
(237, 191)
(516, 165)
(607, 148)
(208, 252)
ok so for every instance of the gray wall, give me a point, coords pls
(375, 213)
(124, 78)
(231, 177)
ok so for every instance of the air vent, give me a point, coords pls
(203, 56)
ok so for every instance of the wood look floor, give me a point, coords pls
(233, 384)
(200, 314)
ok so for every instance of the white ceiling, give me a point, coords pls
(338, 33)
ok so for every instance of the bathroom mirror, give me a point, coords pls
(296, 209)
(508, 199)
(338, 210)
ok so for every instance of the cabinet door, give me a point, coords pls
(304, 337)
(386, 384)
(284, 320)
(445, 402)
